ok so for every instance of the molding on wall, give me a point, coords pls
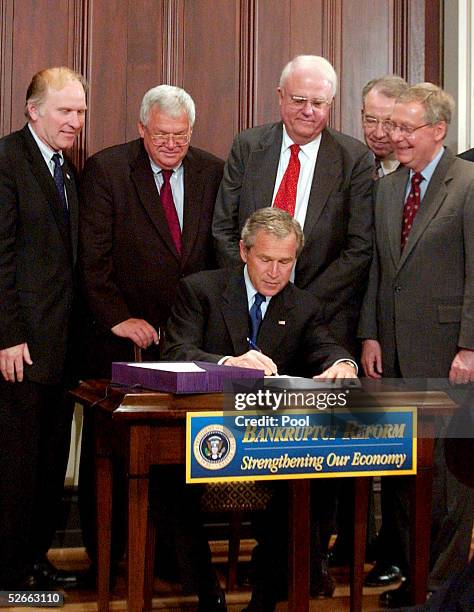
(465, 68)
(6, 64)
(79, 59)
(401, 38)
(332, 50)
(173, 42)
(246, 39)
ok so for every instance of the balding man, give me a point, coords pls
(38, 246)
(378, 100)
(417, 316)
(321, 177)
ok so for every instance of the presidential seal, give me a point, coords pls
(214, 447)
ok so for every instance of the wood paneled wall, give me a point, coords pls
(227, 53)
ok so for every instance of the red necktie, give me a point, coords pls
(286, 194)
(166, 197)
(411, 207)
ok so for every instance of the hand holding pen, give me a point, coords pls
(254, 358)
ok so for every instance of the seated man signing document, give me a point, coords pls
(253, 316)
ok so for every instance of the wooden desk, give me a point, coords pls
(147, 428)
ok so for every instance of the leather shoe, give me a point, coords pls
(44, 575)
(322, 583)
(399, 597)
(261, 601)
(382, 575)
(212, 602)
(396, 598)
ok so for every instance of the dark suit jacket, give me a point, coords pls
(468, 155)
(338, 227)
(37, 254)
(129, 264)
(210, 320)
(420, 303)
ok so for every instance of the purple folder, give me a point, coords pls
(211, 380)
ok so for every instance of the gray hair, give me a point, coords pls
(439, 105)
(172, 101)
(318, 64)
(274, 221)
(390, 86)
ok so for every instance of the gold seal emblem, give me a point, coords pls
(214, 447)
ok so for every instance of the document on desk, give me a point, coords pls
(176, 366)
(179, 376)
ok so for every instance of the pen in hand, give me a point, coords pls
(254, 347)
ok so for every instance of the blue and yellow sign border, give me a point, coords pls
(208, 430)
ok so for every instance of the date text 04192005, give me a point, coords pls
(33, 599)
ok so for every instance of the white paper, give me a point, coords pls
(178, 366)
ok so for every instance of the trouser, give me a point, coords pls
(35, 432)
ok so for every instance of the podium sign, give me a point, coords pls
(310, 443)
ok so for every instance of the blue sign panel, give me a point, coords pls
(261, 445)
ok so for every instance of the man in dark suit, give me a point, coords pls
(417, 316)
(38, 246)
(146, 211)
(469, 155)
(222, 316)
(132, 254)
(322, 177)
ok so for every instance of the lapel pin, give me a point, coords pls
(281, 322)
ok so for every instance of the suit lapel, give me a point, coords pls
(235, 311)
(193, 203)
(326, 172)
(434, 198)
(73, 206)
(147, 193)
(393, 208)
(263, 166)
(46, 182)
(276, 323)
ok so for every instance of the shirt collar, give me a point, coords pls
(308, 149)
(46, 151)
(429, 169)
(156, 169)
(251, 291)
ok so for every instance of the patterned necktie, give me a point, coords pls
(286, 194)
(255, 315)
(59, 180)
(411, 207)
(378, 172)
(166, 197)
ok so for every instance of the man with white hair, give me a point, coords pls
(145, 222)
(321, 177)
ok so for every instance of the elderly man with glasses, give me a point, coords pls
(378, 100)
(417, 315)
(318, 175)
(145, 222)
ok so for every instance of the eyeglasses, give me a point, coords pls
(300, 102)
(372, 122)
(405, 130)
(179, 139)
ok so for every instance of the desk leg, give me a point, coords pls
(137, 544)
(421, 490)
(361, 501)
(298, 545)
(104, 527)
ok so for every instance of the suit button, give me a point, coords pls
(398, 289)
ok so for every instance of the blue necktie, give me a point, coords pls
(59, 180)
(255, 318)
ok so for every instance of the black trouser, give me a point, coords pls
(35, 432)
